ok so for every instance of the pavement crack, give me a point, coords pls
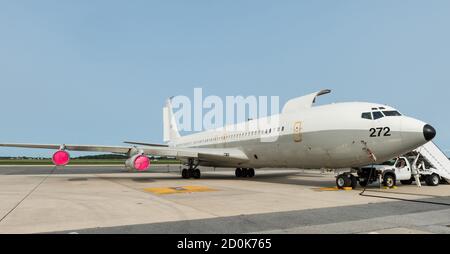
(27, 195)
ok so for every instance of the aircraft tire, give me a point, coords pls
(354, 182)
(196, 173)
(185, 173)
(251, 172)
(363, 183)
(238, 172)
(343, 180)
(244, 172)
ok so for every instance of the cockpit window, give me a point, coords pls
(377, 115)
(392, 113)
(366, 115)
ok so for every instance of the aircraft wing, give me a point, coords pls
(82, 148)
(202, 154)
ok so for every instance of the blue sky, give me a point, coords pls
(98, 72)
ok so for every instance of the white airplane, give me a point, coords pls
(340, 135)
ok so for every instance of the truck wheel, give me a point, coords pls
(432, 180)
(406, 182)
(389, 180)
(343, 181)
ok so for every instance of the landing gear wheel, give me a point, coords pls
(432, 180)
(196, 173)
(406, 182)
(185, 174)
(343, 181)
(389, 181)
(353, 181)
(191, 172)
(363, 183)
(251, 172)
(244, 172)
(238, 172)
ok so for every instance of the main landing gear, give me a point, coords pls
(245, 172)
(191, 172)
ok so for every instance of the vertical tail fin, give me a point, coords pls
(170, 126)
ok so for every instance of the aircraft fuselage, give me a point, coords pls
(329, 136)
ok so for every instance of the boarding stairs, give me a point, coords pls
(437, 158)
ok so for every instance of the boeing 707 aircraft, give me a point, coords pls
(340, 135)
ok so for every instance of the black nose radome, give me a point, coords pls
(429, 132)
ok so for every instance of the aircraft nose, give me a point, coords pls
(429, 132)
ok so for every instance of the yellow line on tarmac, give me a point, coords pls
(334, 189)
(177, 190)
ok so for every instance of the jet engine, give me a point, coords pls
(61, 158)
(138, 162)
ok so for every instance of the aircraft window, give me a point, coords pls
(366, 115)
(282, 128)
(391, 113)
(377, 115)
(382, 108)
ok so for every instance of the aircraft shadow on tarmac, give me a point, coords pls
(291, 177)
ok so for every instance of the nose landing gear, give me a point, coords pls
(346, 180)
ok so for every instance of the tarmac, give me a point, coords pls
(109, 199)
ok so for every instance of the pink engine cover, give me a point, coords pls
(61, 158)
(141, 163)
